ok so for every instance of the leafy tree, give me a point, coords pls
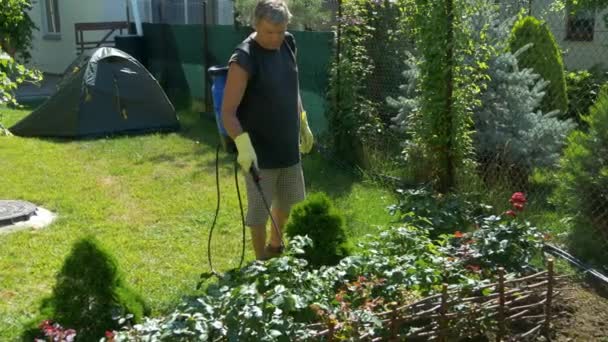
(374, 36)
(450, 72)
(16, 29)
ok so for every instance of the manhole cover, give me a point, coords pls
(14, 211)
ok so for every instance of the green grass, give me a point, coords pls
(149, 200)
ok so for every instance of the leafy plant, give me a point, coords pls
(582, 180)
(279, 299)
(544, 57)
(448, 88)
(499, 241)
(373, 37)
(317, 218)
(15, 42)
(90, 291)
(439, 214)
(583, 89)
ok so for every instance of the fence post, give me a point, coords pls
(338, 52)
(332, 329)
(449, 179)
(501, 304)
(394, 326)
(550, 281)
(443, 310)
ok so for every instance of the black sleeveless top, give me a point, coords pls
(269, 108)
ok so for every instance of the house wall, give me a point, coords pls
(54, 54)
(577, 55)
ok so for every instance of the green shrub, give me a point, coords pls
(320, 221)
(438, 213)
(90, 291)
(544, 57)
(583, 88)
(582, 179)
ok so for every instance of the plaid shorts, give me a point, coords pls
(282, 189)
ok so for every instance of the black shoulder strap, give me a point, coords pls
(291, 43)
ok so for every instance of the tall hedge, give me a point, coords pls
(582, 184)
(544, 57)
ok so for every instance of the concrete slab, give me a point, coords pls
(41, 219)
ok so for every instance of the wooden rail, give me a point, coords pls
(111, 27)
(525, 303)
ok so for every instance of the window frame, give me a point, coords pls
(580, 25)
(51, 9)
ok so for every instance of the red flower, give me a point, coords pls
(458, 234)
(109, 334)
(510, 213)
(518, 197)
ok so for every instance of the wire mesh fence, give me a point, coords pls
(502, 96)
(527, 75)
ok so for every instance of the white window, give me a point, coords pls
(181, 11)
(50, 14)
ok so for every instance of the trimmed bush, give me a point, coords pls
(583, 88)
(89, 291)
(582, 183)
(544, 57)
(317, 218)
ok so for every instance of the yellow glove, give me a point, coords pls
(246, 154)
(306, 137)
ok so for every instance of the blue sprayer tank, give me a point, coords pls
(218, 82)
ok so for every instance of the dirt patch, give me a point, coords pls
(583, 314)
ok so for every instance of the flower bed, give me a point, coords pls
(404, 283)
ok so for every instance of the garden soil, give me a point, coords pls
(583, 314)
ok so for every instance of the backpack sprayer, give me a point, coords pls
(218, 76)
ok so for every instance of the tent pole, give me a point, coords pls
(136, 17)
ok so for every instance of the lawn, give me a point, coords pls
(149, 200)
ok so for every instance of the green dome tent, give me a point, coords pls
(108, 93)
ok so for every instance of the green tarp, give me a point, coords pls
(175, 56)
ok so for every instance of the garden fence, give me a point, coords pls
(526, 86)
(513, 309)
(543, 67)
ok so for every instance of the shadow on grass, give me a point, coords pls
(321, 175)
(89, 291)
